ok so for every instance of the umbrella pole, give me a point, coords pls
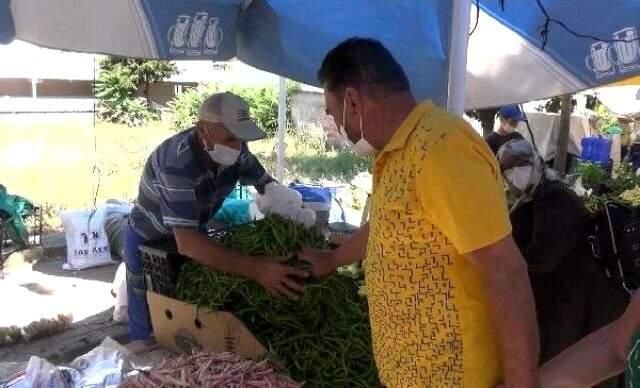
(458, 56)
(282, 127)
(560, 163)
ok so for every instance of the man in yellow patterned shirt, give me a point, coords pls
(449, 297)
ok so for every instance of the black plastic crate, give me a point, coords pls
(161, 264)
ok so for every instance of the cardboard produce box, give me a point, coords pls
(183, 327)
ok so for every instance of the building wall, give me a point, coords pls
(64, 88)
(160, 93)
(15, 87)
(308, 113)
(163, 92)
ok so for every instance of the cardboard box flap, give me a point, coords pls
(182, 327)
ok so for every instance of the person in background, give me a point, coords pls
(449, 298)
(509, 117)
(184, 183)
(572, 294)
(604, 353)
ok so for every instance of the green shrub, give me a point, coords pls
(184, 107)
(263, 102)
(119, 81)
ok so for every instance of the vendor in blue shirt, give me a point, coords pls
(509, 116)
(184, 183)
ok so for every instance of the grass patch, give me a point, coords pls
(309, 162)
(52, 163)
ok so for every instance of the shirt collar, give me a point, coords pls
(400, 136)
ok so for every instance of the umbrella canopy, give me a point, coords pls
(587, 43)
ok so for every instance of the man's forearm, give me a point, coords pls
(595, 358)
(353, 249)
(585, 364)
(205, 251)
(512, 308)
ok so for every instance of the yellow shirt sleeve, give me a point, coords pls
(460, 188)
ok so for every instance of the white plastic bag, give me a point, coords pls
(281, 200)
(41, 373)
(106, 366)
(87, 242)
(119, 289)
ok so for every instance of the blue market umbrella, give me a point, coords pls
(520, 50)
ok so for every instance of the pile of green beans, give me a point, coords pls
(322, 339)
(271, 236)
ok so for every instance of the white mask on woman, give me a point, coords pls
(519, 177)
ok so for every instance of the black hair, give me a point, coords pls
(362, 62)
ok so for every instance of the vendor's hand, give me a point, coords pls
(278, 279)
(322, 262)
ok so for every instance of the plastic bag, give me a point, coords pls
(87, 242)
(106, 366)
(119, 289)
(285, 202)
(116, 209)
(234, 212)
(41, 373)
(115, 224)
(317, 198)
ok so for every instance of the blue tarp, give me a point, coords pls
(290, 37)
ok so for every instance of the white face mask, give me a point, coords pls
(519, 177)
(362, 147)
(223, 155)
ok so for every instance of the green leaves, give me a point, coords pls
(184, 107)
(118, 86)
(263, 102)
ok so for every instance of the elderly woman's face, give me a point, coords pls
(519, 177)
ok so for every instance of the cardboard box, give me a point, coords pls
(183, 327)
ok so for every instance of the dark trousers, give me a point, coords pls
(139, 320)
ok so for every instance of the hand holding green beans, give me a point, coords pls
(279, 279)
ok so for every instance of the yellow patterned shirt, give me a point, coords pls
(437, 195)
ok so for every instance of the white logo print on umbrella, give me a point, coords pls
(195, 35)
(627, 49)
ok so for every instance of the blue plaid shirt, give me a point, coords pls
(181, 186)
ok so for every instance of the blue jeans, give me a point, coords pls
(139, 320)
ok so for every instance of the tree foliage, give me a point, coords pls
(118, 86)
(263, 102)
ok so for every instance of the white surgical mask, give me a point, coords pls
(223, 155)
(519, 177)
(362, 147)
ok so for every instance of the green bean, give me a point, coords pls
(323, 338)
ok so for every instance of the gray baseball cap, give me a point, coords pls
(233, 112)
